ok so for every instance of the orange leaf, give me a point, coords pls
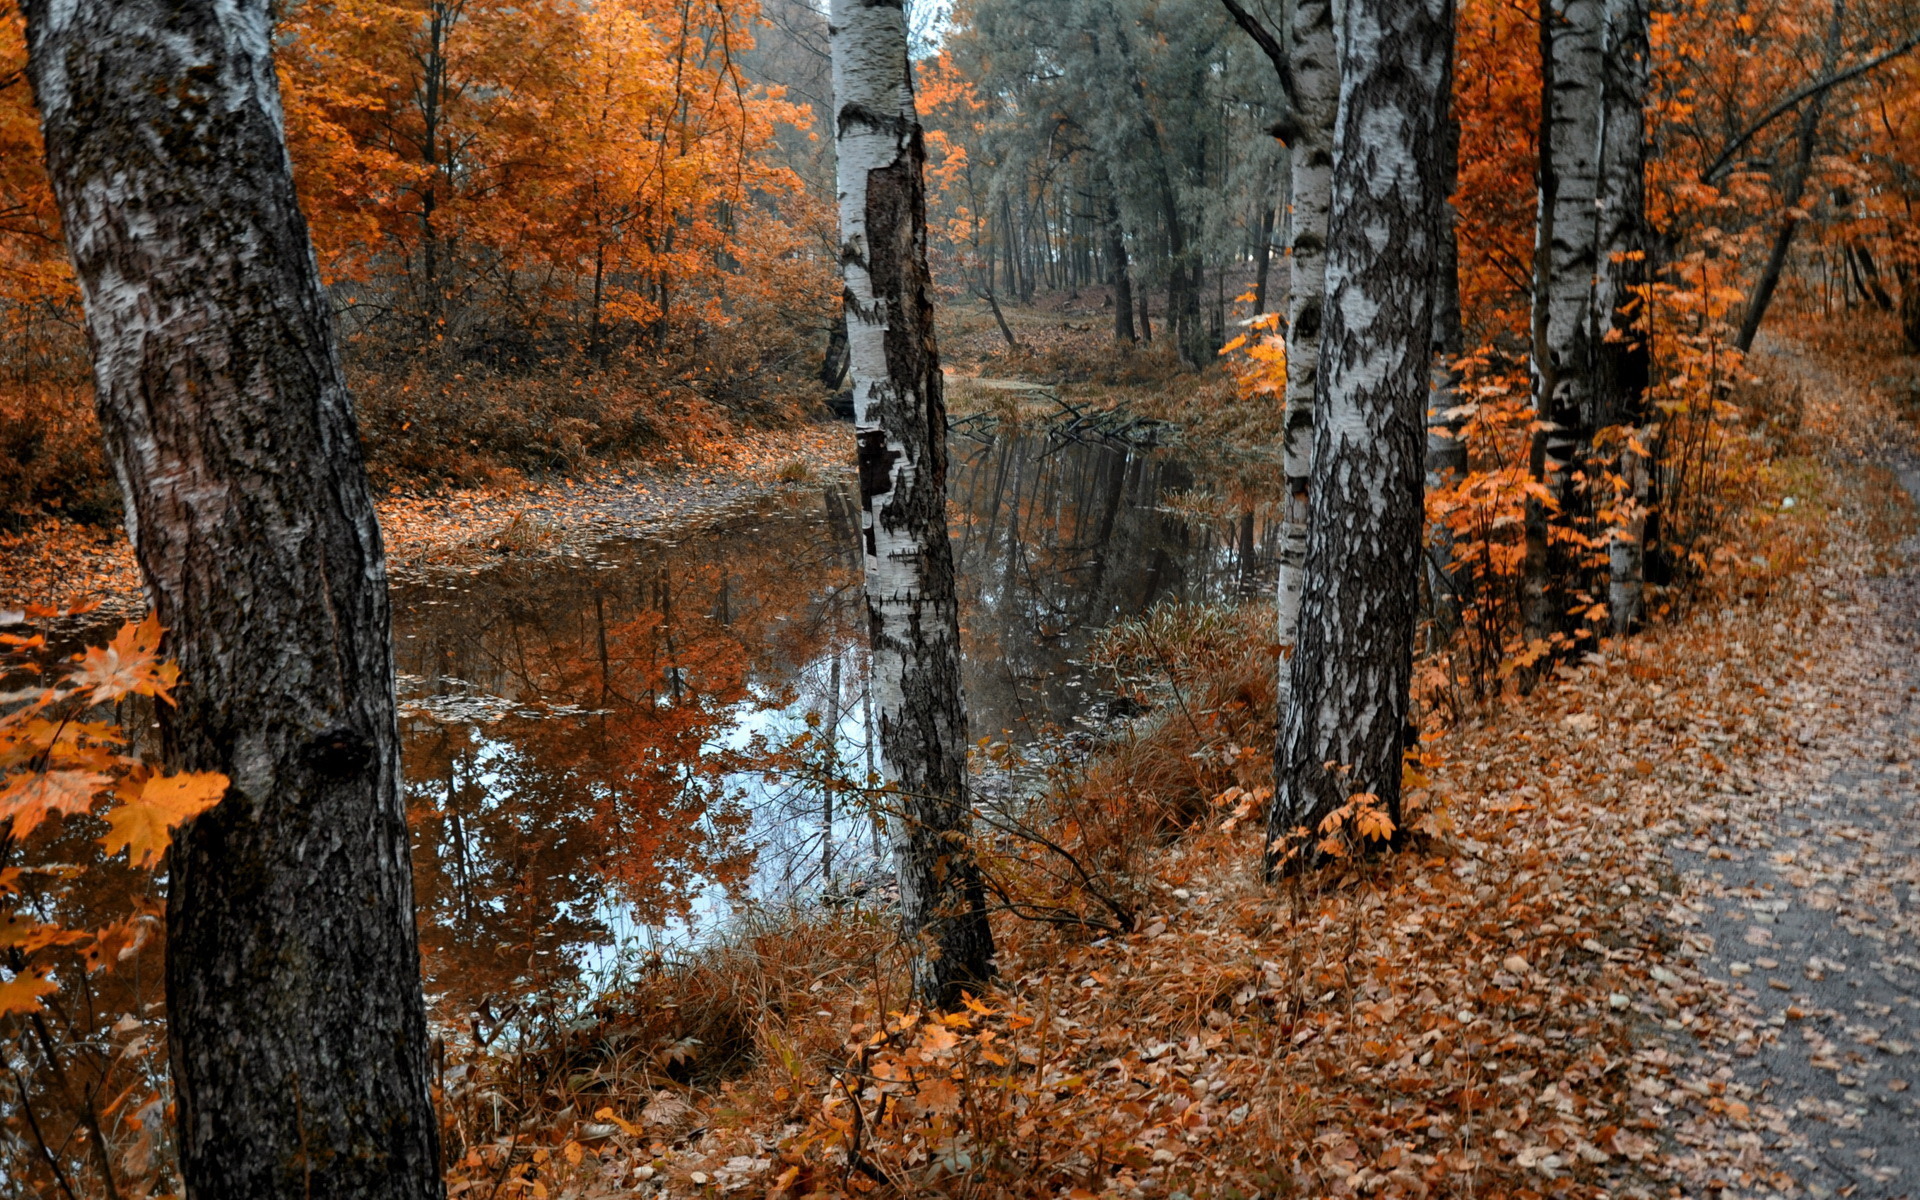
(1374, 824)
(29, 799)
(141, 825)
(22, 993)
(128, 665)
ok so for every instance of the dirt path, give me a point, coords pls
(1808, 887)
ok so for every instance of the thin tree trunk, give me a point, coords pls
(1870, 273)
(1263, 257)
(1345, 728)
(1316, 73)
(296, 1029)
(1791, 187)
(1909, 306)
(1117, 260)
(1446, 441)
(1621, 352)
(832, 731)
(900, 420)
(833, 364)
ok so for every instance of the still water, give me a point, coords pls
(615, 749)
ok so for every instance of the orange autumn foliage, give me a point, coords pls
(61, 761)
(551, 232)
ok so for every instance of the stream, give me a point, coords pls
(610, 751)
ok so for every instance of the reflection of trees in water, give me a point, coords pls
(1055, 543)
(528, 828)
(695, 666)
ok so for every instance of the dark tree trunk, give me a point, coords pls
(1909, 306)
(297, 1033)
(1806, 133)
(901, 422)
(1870, 274)
(1621, 352)
(1117, 260)
(1262, 259)
(1446, 441)
(1345, 725)
(833, 365)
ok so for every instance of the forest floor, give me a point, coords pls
(63, 563)
(1658, 941)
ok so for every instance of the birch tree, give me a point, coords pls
(296, 1026)
(900, 423)
(1344, 728)
(1572, 34)
(1307, 62)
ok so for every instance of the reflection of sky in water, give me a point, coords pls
(652, 674)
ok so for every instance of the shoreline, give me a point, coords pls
(61, 563)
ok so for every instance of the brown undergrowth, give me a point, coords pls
(1511, 1007)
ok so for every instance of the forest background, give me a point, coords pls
(559, 235)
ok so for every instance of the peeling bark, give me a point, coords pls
(900, 420)
(296, 1028)
(1573, 35)
(1344, 730)
(1316, 72)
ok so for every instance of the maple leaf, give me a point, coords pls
(939, 1095)
(30, 799)
(27, 935)
(22, 993)
(141, 826)
(128, 665)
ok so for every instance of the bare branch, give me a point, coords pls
(1791, 101)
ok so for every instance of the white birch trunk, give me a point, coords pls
(1567, 239)
(296, 1031)
(1344, 730)
(1316, 72)
(900, 421)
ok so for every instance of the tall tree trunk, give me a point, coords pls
(901, 424)
(1805, 133)
(1117, 261)
(1316, 72)
(1909, 277)
(1621, 354)
(1446, 441)
(296, 1030)
(1572, 42)
(1345, 727)
(1263, 256)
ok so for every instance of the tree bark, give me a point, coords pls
(1573, 41)
(296, 1028)
(1621, 355)
(1344, 729)
(900, 420)
(1117, 261)
(1446, 442)
(1316, 73)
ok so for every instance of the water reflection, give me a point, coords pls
(620, 743)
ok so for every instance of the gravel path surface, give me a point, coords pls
(1807, 883)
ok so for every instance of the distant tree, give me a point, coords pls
(900, 418)
(1344, 727)
(296, 1025)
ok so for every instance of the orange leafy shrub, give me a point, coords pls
(84, 826)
